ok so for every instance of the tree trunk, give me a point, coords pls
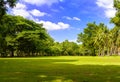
(12, 53)
(108, 51)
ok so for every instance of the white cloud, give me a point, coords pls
(68, 18)
(107, 5)
(20, 6)
(53, 26)
(75, 18)
(38, 13)
(41, 2)
(21, 10)
(110, 13)
(72, 18)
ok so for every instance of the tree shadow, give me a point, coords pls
(50, 71)
(82, 73)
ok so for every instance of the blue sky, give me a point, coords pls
(64, 19)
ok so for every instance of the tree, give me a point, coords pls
(70, 48)
(56, 49)
(4, 6)
(116, 29)
(23, 37)
(101, 39)
(95, 39)
(87, 38)
(3, 9)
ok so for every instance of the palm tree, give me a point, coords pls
(101, 39)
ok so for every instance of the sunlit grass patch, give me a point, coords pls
(60, 69)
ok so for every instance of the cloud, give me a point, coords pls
(20, 6)
(38, 13)
(21, 10)
(54, 26)
(41, 2)
(72, 18)
(107, 5)
(75, 18)
(68, 18)
(110, 13)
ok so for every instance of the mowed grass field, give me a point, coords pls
(60, 69)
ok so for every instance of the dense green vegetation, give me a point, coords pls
(60, 69)
(99, 39)
(24, 37)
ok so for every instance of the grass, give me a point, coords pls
(60, 69)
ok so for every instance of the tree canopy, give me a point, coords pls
(23, 36)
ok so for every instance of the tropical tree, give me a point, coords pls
(116, 30)
(95, 39)
(87, 38)
(101, 39)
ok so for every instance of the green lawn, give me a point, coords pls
(60, 69)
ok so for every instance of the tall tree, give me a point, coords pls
(95, 39)
(23, 36)
(116, 29)
(87, 38)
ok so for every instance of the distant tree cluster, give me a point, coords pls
(65, 48)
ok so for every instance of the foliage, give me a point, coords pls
(99, 40)
(22, 37)
(65, 48)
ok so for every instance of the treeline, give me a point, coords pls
(23, 38)
(100, 40)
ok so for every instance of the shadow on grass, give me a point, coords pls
(47, 70)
